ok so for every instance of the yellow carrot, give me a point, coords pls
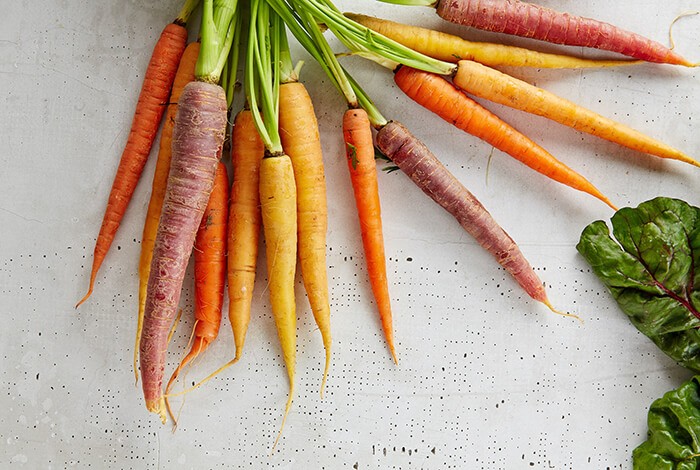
(278, 206)
(450, 48)
(301, 141)
(498, 87)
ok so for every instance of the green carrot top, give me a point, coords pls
(217, 32)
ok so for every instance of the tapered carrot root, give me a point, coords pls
(500, 88)
(155, 91)
(363, 175)
(244, 224)
(301, 141)
(279, 206)
(438, 95)
(426, 171)
(197, 140)
(185, 74)
(538, 22)
(209, 273)
(450, 48)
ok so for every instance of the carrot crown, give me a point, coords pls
(217, 32)
(369, 43)
(306, 30)
(186, 11)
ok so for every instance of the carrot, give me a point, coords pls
(209, 272)
(538, 22)
(452, 48)
(498, 87)
(244, 223)
(198, 135)
(154, 94)
(194, 161)
(426, 171)
(185, 74)
(278, 199)
(301, 141)
(278, 207)
(363, 175)
(438, 95)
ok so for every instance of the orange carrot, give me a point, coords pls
(359, 149)
(209, 272)
(301, 141)
(439, 96)
(155, 91)
(498, 87)
(185, 74)
(244, 223)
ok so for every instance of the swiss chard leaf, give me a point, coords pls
(652, 270)
(674, 425)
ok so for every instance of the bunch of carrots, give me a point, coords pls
(278, 174)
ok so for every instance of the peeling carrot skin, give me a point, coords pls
(426, 171)
(197, 140)
(534, 21)
(150, 107)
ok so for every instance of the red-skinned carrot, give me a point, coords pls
(153, 97)
(441, 97)
(209, 273)
(185, 74)
(498, 87)
(546, 24)
(359, 148)
(198, 136)
(426, 171)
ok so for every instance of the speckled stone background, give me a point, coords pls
(487, 378)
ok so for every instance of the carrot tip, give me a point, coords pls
(394, 356)
(284, 418)
(325, 371)
(89, 293)
(559, 312)
(158, 406)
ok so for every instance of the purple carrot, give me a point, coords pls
(426, 171)
(538, 22)
(198, 136)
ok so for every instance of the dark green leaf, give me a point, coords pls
(674, 431)
(379, 155)
(650, 270)
(352, 154)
